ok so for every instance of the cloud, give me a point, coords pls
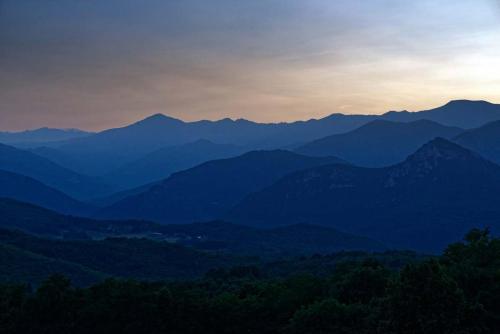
(94, 64)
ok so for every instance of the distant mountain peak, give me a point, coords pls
(440, 149)
(159, 118)
(396, 112)
(443, 145)
(465, 101)
(244, 121)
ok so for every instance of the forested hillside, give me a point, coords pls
(457, 292)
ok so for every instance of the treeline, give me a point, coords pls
(458, 292)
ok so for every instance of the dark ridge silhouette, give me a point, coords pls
(108, 150)
(206, 191)
(60, 158)
(29, 164)
(484, 140)
(109, 200)
(464, 114)
(379, 143)
(425, 202)
(39, 136)
(27, 189)
(161, 163)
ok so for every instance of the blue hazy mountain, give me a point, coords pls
(484, 140)
(379, 143)
(104, 201)
(425, 202)
(29, 164)
(27, 189)
(460, 113)
(62, 159)
(108, 150)
(114, 149)
(163, 162)
(206, 191)
(39, 136)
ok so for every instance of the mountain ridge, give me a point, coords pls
(485, 140)
(159, 164)
(380, 142)
(204, 191)
(110, 149)
(27, 189)
(44, 170)
(437, 194)
(40, 136)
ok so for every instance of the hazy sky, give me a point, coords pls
(100, 63)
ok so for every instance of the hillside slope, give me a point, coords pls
(208, 190)
(423, 203)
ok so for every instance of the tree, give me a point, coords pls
(426, 300)
(331, 316)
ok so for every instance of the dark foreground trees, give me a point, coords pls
(458, 292)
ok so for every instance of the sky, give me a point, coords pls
(95, 64)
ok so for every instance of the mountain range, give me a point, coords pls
(40, 136)
(51, 174)
(27, 189)
(384, 177)
(102, 153)
(161, 163)
(430, 199)
(208, 190)
(484, 140)
(464, 114)
(379, 143)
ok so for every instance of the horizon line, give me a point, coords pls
(47, 127)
